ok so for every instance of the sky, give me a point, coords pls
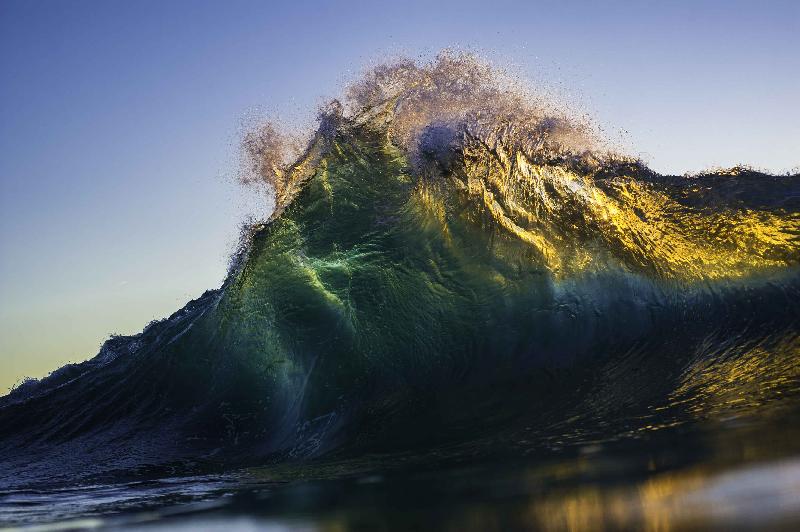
(120, 123)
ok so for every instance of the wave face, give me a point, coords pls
(451, 262)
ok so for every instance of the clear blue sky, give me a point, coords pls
(119, 123)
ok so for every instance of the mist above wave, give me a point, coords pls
(426, 109)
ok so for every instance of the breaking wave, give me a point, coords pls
(452, 260)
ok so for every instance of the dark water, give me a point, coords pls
(653, 482)
(465, 314)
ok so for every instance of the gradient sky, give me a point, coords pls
(119, 123)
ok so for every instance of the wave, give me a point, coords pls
(451, 258)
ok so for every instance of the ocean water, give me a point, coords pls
(467, 312)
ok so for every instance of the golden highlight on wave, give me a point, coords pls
(483, 145)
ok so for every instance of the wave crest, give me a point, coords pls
(541, 174)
